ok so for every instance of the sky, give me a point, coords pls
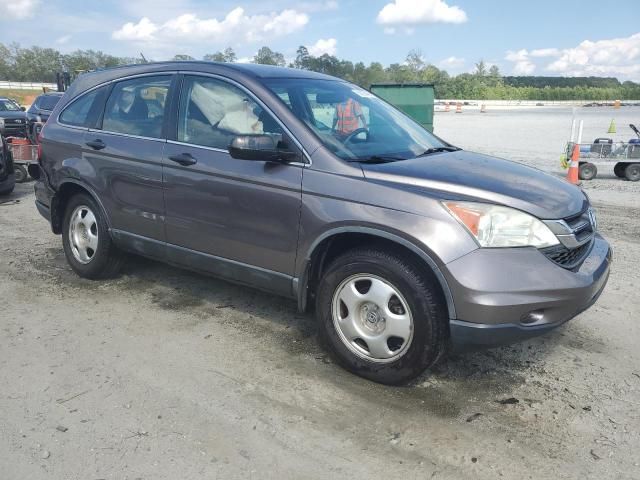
(560, 37)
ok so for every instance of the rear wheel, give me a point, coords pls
(587, 171)
(618, 170)
(632, 172)
(86, 241)
(381, 317)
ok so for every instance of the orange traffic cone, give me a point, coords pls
(572, 174)
(459, 107)
(446, 106)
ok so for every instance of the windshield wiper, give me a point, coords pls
(378, 159)
(429, 151)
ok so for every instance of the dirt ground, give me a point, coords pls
(165, 374)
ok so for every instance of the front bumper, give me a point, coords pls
(503, 296)
(14, 130)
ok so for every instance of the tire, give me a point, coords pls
(412, 295)
(86, 240)
(7, 190)
(618, 170)
(21, 174)
(587, 171)
(632, 172)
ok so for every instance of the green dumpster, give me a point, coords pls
(414, 99)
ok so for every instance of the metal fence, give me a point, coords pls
(27, 85)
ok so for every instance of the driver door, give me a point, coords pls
(236, 218)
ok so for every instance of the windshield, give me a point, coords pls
(8, 106)
(352, 122)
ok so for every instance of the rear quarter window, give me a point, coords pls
(84, 111)
(47, 102)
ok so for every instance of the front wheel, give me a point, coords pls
(382, 317)
(86, 240)
(21, 174)
(632, 172)
(587, 171)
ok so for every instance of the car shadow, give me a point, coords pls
(446, 389)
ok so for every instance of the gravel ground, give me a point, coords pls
(165, 374)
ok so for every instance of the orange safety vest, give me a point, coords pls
(348, 113)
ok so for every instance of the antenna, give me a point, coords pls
(144, 60)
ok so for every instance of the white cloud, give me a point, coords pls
(320, 6)
(143, 30)
(20, 9)
(322, 46)
(452, 62)
(415, 12)
(522, 64)
(545, 52)
(235, 26)
(614, 57)
(63, 39)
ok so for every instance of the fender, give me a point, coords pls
(56, 226)
(300, 284)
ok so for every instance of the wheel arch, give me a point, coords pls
(67, 189)
(334, 241)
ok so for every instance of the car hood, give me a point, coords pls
(473, 176)
(19, 114)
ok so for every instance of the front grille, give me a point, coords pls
(580, 224)
(565, 257)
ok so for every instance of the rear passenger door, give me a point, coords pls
(245, 213)
(126, 151)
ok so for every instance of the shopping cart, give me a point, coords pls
(24, 153)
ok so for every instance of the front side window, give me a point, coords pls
(352, 122)
(83, 112)
(9, 106)
(136, 106)
(213, 112)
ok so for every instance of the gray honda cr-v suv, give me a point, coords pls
(313, 188)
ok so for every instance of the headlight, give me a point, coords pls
(496, 226)
(1, 122)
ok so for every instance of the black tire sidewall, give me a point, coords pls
(588, 171)
(103, 255)
(21, 173)
(427, 342)
(618, 170)
(632, 172)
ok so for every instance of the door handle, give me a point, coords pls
(184, 159)
(96, 144)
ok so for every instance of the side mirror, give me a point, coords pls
(265, 148)
(23, 109)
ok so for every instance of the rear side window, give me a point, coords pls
(47, 102)
(136, 107)
(84, 111)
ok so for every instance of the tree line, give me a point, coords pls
(37, 64)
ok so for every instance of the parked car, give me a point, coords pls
(39, 111)
(7, 176)
(13, 120)
(309, 187)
